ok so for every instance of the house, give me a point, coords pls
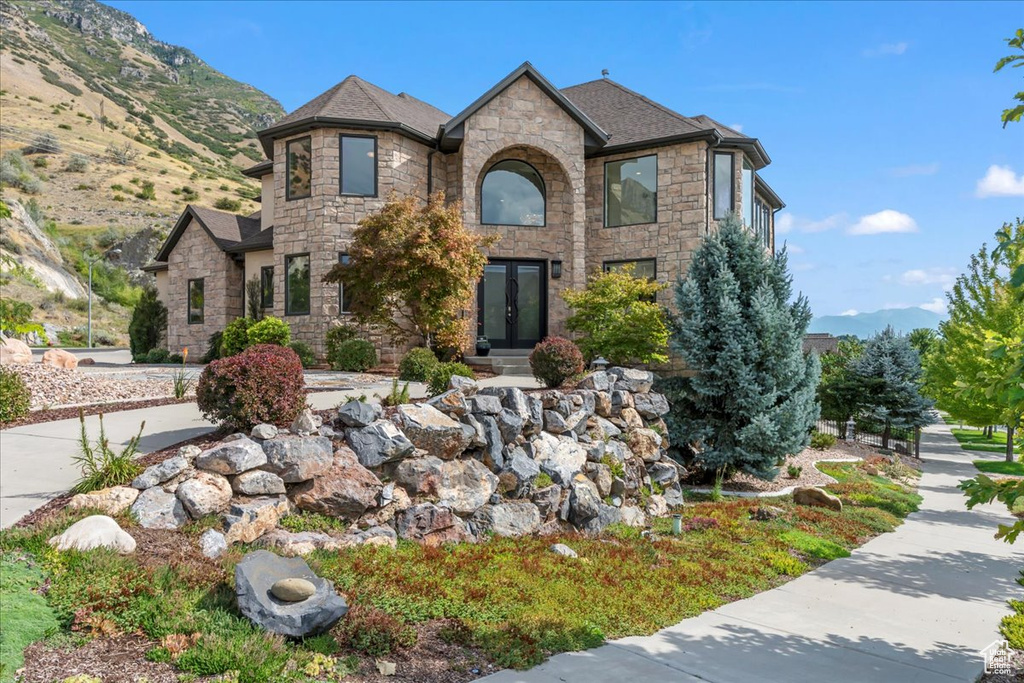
(589, 177)
(822, 342)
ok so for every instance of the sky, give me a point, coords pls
(881, 119)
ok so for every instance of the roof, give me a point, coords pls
(724, 130)
(822, 342)
(259, 170)
(225, 229)
(261, 240)
(154, 266)
(355, 101)
(764, 188)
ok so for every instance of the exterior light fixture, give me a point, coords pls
(556, 269)
(599, 364)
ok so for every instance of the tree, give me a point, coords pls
(1014, 113)
(254, 298)
(619, 319)
(887, 376)
(413, 270)
(752, 400)
(148, 323)
(922, 339)
(838, 393)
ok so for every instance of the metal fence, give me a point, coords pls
(902, 440)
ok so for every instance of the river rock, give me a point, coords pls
(433, 431)
(112, 501)
(157, 509)
(298, 458)
(204, 494)
(292, 590)
(379, 442)
(96, 531)
(232, 457)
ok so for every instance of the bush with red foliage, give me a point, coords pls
(700, 523)
(264, 383)
(555, 360)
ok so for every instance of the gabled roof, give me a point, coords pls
(725, 130)
(734, 138)
(225, 229)
(596, 136)
(258, 242)
(360, 104)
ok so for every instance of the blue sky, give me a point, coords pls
(882, 119)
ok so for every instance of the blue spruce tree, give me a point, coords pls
(752, 400)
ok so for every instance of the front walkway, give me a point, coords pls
(913, 605)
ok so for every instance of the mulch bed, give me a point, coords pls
(51, 414)
(112, 660)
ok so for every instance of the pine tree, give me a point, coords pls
(148, 323)
(752, 400)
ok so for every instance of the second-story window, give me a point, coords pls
(631, 191)
(358, 165)
(725, 201)
(299, 172)
(512, 194)
(747, 187)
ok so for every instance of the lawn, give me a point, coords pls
(975, 440)
(1000, 467)
(511, 601)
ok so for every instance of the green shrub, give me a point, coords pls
(304, 352)
(416, 364)
(236, 337)
(270, 330)
(355, 355)
(148, 191)
(226, 204)
(263, 383)
(794, 471)
(78, 163)
(555, 360)
(822, 441)
(441, 374)
(148, 323)
(397, 396)
(213, 347)
(336, 336)
(15, 397)
(101, 466)
(374, 632)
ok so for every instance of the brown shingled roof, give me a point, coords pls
(225, 229)
(725, 130)
(261, 240)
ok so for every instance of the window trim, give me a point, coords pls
(266, 305)
(618, 262)
(604, 192)
(543, 192)
(341, 290)
(714, 185)
(309, 309)
(288, 196)
(341, 165)
(188, 302)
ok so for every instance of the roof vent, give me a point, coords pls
(604, 73)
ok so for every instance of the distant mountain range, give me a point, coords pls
(864, 325)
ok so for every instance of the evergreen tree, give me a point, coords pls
(838, 392)
(888, 376)
(752, 400)
(148, 323)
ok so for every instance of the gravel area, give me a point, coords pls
(53, 387)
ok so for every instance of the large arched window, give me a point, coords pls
(512, 194)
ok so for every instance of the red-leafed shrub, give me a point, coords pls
(264, 383)
(555, 360)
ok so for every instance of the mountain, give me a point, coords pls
(95, 107)
(864, 325)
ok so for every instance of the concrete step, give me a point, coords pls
(518, 366)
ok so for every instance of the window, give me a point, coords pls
(359, 165)
(647, 267)
(196, 300)
(724, 200)
(631, 191)
(296, 284)
(300, 168)
(512, 194)
(747, 188)
(267, 287)
(343, 301)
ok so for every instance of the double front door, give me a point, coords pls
(512, 306)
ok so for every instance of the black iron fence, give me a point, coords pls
(905, 440)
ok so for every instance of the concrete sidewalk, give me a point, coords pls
(913, 605)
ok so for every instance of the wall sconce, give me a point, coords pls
(556, 270)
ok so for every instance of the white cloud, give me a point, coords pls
(788, 222)
(936, 305)
(738, 127)
(794, 248)
(943, 276)
(1000, 181)
(886, 49)
(850, 311)
(883, 222)
(914, 169)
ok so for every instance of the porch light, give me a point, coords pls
(556, 269)
(599, 364)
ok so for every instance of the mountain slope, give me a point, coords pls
(864, 325)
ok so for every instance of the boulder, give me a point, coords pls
(663, 473)
(517, 518)
(604, 429)
(299, 543)
(358, 414)
(465, 485)
(161, 472)
(633, 516)
(577, 421)
(674, 495)
(766, 513)
(812, 495)
(452, 403)
(378, 535)
(601, 475)
(492, 454)
(651, 405)
(606, 515)
(602, 403)
(618, 450)
(631, 418)
(257, 483)
(157, 509)
(645, 444)
(596, 451)
(232, 457)
(298, 458)
(256, 575)
(293, 590)
(204, 494)
(559, 457)
(482, 404)
(521, 469)
(584, 501)
(112, 501)
(306, 423)
(346, 490)
(264, 431)
(59, 358)
(464, 384)
(656, 506)
(509, 424)
(379, 442)
(212, 544)
(631, 380)
(554, 422)
(477, 439)
(512, 398)
(535, 423)
(430, 525)
(547, 500)
(419, 476)
(433, 431)
(96, 531)
(584, 400)
(190, 453)
(620, 400)
(563, 550)
(598, 381)
(14, 352)
(247, 521)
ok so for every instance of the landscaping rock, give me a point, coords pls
(358, 414)
(232, 457)
(535, 423)
(811, 495)
(584, 501)
(294, 544)
(14, 352)
(205, 494)
(563, 550)
(378, 535)
(159, 473)
(652, 406)
(598, 381)
(157, 509)
(464, 384)
(633, 516)
(656, 506)
(190, 453)
(257, 483)
(477, 439)
(112, 501)
(430, 525)
(255, 577)
(601, 475)
(559, 457)
(298, 458)
(452, 403)
(492, 454)
(554, 422)
(508, 519)
(631, 380)
(378, 443)
(264, 431)
(419, 476)
(577, 421)
(605, 429)
(484, 404)
(433, 431)
(245, 522)
(465, 485)
(645, 444)
(306, 423)
(606, 515)
(292, 590)
(95, 531)
(674, 495)
(59, 358)
(212, 544)
(547, 500)
(602, 404)
(620, 400)
(346, 490)
(663, 473)
(766, 513)
(509, 424)
(632, 419)
(522, 469)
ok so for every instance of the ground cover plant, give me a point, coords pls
(26, 616)
(510, 599)
(978, 440)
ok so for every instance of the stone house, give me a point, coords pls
(576, 180)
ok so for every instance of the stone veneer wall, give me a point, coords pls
(197, 256)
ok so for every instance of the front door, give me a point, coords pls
(512, 306)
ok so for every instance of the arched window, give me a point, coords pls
(512, 194)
